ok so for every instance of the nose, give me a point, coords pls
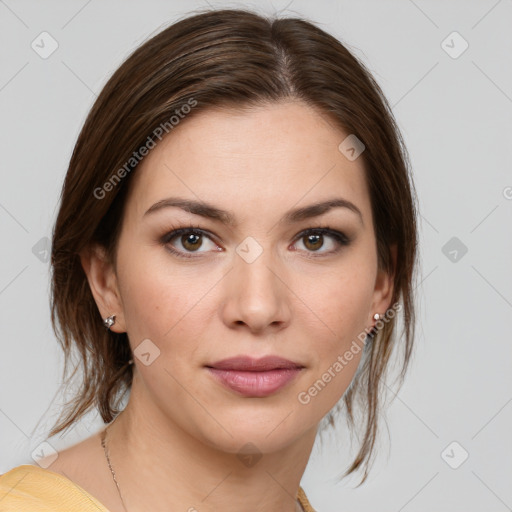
(256, 295)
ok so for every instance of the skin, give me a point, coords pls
(175, 445)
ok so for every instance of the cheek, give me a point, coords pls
(341, 304)
(162, 301)
(342, 299)
(345, 311)
(339, 350)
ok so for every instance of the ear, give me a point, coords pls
(383, 291)
(102, 280)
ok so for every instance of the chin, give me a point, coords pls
(250, 426)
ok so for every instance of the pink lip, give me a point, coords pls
(255, 377)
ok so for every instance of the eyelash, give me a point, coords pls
(340, 238)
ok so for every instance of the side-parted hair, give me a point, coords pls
(230, 58)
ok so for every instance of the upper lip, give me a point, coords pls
(247, 363)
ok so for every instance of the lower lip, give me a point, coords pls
(255, 384)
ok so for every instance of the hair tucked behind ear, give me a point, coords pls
(223, 58)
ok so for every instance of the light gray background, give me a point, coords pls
(456, 117)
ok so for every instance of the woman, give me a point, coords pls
(236, 235)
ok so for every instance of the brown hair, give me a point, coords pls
(223, 58)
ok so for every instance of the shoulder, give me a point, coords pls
(28, 488)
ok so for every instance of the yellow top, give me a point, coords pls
(29, 488)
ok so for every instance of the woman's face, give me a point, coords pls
(255, 287)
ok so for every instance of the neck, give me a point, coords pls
(160, 466)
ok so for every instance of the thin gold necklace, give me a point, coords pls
(103, 443)
(103, 436)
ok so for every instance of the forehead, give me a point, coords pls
(275, 155)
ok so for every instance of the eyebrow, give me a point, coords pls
(212, 212)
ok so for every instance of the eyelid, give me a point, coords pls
(341, 240)
(325, 230)
(176, 232)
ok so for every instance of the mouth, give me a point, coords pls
(254, 378)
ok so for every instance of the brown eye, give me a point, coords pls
(316, 239)
(186, 241)
(191, 242)
(313, 242)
